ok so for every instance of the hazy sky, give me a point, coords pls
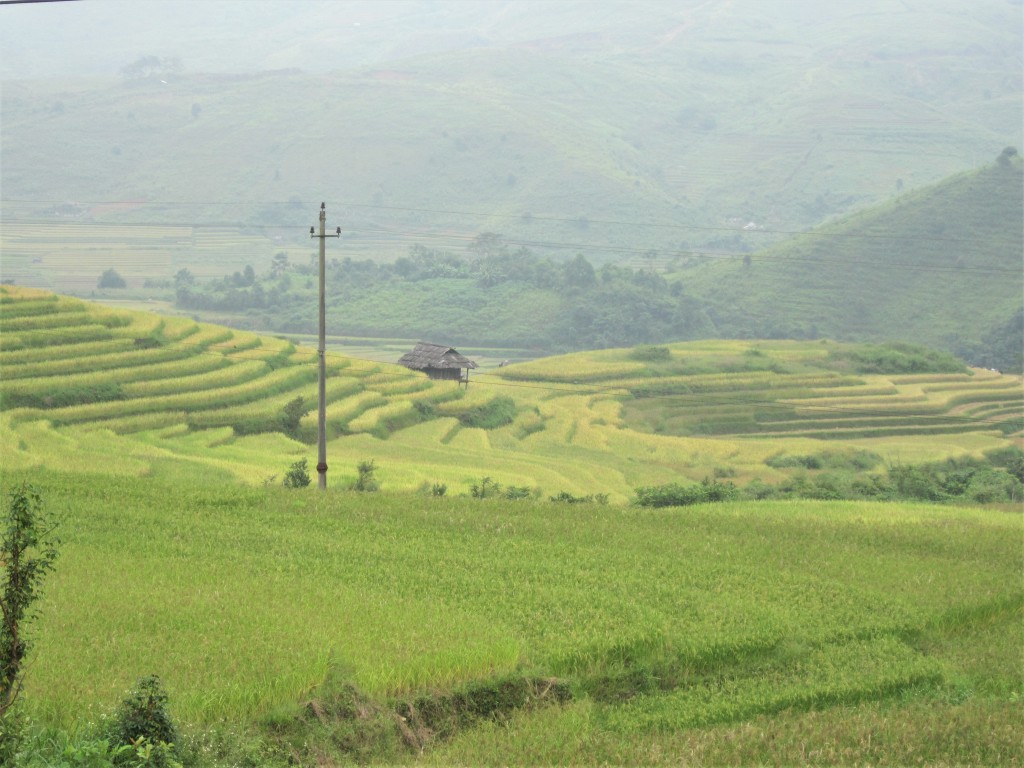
(99, 37)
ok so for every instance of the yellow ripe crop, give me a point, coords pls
(341, 412)
(223, 377)
(275, 382)
(379, 416)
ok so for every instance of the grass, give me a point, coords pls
(719, 616)
(670, 632)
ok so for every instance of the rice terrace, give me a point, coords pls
(706, 551)
(650, 394)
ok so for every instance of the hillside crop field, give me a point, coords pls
(664, 631)
(169, 395)
(442, 627)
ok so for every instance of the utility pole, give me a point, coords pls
(321, 454)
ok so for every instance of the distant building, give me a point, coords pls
(438, 362)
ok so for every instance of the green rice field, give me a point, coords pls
(246, 600)
(496, 631)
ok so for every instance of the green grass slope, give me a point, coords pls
(663, 630)
(940, 266)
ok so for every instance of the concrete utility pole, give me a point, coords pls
(321, 455)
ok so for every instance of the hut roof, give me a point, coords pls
(427, 355)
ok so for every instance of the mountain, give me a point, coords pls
(617, 128)
(940, 266)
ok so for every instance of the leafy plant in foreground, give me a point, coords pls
(142, 721)
(28, 551)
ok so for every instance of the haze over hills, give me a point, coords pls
(940, 266)
(682, 123)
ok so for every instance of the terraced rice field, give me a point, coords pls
(590, 422)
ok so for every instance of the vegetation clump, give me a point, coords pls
(856, 460)
(442, 715)
(366, 479)
(996, 478)
(677, 495)
(111, 279)
(564, 497)
(896, 357)
(297, 475)
(650, 353)
(485, 489)
(490, 415)
(144, 722)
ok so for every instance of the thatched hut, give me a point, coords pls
(437, 361)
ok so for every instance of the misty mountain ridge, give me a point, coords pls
(695, 115)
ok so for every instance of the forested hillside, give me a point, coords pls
(941, 266)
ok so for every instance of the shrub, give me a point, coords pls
(485, 489)
(855, 460)
(514, 492)
(142, 720)
(564, 497)
(291, 416)
(366, 480)
(491, 415)
(676, 495)
(298, 475)
(111, 279)
(649, 353)
(897, 357)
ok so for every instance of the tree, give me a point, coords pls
(28, 551)
(151, 66)
(1006, 156)
(578, 273)
(184, 277)
(279, 265)
(111, 279)
(487, 244)
(292, 415)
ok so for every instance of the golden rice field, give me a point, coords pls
(74, 375)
